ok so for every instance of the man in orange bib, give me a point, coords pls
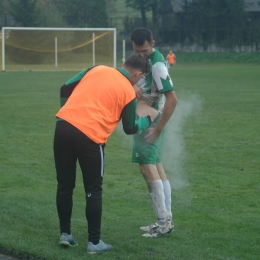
(92, 104)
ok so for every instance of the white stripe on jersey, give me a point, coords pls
(159, 70)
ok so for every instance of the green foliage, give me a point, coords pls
(38, 13)
(213, 17)
(213, 166)
(81, 13)
(24, 12)
(98, 14)
(226, 23)
(2, 8)
(50, 15)
(144, 6)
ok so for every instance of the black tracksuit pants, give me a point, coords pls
(71, 145)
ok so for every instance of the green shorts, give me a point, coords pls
(145, 153)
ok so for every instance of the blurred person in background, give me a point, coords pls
(171, 59)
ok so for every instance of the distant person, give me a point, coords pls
(92, 104)
(171, 59)
(156, 96)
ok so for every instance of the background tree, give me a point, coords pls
(82, 13)
(145, 6)
(2, 13)
(2, 8)
(142, 5)
(155, 5)
(24, 12)
(98, 14)
(215, 20)
(50, 15)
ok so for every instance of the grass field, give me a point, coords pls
(212, 161)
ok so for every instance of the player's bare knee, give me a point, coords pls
(142, 169)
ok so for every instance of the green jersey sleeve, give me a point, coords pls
(161, 77)
(130, 125)
(68, 87)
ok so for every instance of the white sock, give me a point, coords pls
(158, 201)
(168, 198)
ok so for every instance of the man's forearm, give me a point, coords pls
(170, 104)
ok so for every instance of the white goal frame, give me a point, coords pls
(60, 29)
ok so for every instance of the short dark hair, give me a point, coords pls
(138, 62)
(140, 35)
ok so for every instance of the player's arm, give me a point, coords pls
(169, 107)
(138, 92)
(165, 86)
(68, 87)
(170, 104)
(130, 125)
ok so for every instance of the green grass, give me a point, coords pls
(215, 57)
(212, 161)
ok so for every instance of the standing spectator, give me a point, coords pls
(171, 60)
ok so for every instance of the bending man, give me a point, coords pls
(93, 102)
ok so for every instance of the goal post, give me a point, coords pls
(50, 49)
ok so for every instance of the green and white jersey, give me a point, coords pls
(156, 82)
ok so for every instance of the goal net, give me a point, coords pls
(50, 49)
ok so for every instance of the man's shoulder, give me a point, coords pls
(157, 57)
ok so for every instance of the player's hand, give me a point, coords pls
(153, 135)
(138, 92)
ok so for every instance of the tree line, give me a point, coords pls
(56, 13)
(197, 21)
(223, 22)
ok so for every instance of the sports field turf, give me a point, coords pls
(212, 161)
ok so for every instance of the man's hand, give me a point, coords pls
(138, 92)
(170, 104)
(153, 135)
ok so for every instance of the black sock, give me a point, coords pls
(94, 242)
